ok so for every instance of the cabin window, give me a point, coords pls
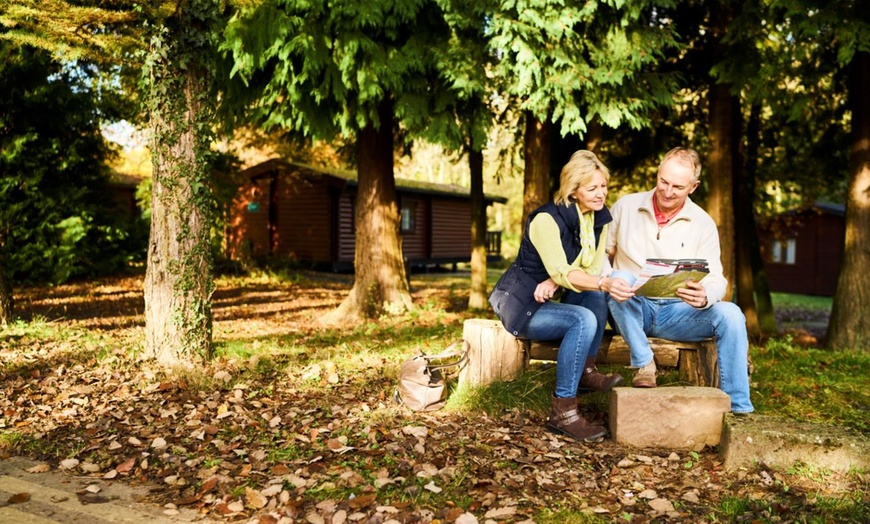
(408, 212)
(783, 251)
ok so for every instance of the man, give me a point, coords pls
(665, 223)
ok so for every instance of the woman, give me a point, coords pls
(562, 253)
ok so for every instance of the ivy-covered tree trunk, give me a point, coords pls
(178, 279)
(379, 268)
(849, 327)
(536, 178)
(478, 297)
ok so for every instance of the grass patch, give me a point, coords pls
(548, 516)
(812, 384)
(804, 302)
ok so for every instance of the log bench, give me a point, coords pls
(496, 355)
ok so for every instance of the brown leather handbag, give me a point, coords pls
(422, 384)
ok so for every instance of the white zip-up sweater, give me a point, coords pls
(634, 236)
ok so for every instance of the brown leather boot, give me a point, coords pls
(565, 419)
(592, 380)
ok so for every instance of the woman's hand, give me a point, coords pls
(619, 289)
(545, 290)
(693, 294)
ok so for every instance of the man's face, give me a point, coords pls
(675, 184)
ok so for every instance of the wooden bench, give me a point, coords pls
(496, 355)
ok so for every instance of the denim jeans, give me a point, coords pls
(639, 317)
(577, 326)
(595, 302)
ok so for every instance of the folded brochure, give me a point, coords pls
(661, 277)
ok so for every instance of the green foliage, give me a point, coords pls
(561, 60)
(57, 217)
(317, 68)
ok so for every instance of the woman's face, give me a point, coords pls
(591, 196)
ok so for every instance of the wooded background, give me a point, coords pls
(772, 93)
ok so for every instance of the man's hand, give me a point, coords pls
(693, 294)
(619, 289)
(545, 290)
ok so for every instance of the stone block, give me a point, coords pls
(779, 443)
(668, 417)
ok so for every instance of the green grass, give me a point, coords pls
(812, 384)
(807, 302)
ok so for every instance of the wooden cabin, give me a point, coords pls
(122, 193)
(802, 250)
(306, 214)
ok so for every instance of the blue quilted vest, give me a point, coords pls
(513, 298)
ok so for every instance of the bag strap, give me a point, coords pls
(450, 352)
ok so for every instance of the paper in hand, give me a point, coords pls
(661, 278)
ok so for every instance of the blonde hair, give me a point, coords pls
(685, 156)
(576, 173)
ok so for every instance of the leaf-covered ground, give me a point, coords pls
(293, 422)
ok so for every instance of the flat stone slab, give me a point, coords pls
(684, 417)
(779, 443)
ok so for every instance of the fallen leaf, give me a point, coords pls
(126, 466)
(661, 505)
(466, 518)
(253, 499)
(69, 463)
(19, 498)
(416, 431)
(39, 468)
(497, 513)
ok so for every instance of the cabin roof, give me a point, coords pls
(350, 178)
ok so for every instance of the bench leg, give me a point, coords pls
(700, 367)
(493, 353)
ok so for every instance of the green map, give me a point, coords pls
(666, 286)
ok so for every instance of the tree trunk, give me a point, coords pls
(594, 135)
(536, 181)
(379, 284)
(723, 147)
(744, 222)
(849, 327)
(477, 298)
(763, 302)
(178, 279)
(6, 301)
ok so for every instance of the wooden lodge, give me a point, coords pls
(802, 249)
(306, 214)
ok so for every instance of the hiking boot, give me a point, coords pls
(645, 377)
(592, 380)
(565, 419)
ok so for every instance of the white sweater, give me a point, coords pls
(635, 236)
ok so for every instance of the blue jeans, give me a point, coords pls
(578, 327)
(639, 317)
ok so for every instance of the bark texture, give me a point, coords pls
(724, 140)
(6, 301)
(178, 278)
(849, 327)
(536, 180)
(379, 285)
(478, 297)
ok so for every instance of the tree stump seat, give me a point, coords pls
(496, 355)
